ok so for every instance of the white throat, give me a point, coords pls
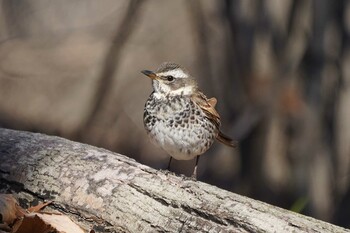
(183, 91)
(166, 91)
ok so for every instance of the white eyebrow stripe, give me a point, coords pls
(177, 73)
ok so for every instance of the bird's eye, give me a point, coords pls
(170, 78)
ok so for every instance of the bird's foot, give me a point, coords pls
(194, 174)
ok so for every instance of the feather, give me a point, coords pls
(226, 140)
(208, 107)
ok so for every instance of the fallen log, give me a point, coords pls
(112, 193)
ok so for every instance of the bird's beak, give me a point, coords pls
(150, 74)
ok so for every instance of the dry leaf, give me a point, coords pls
(32, 224)
(9, 208)
(38, 207)
(45, 223)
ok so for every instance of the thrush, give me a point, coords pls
(178, 117)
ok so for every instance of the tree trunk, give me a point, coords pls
(111, 192)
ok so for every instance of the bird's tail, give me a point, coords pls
(226, 140)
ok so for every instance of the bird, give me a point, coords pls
(178, 117)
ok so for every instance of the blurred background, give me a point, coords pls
(279, 69)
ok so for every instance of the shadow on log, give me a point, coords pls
(113, 193)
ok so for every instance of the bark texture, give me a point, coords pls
(113, 193)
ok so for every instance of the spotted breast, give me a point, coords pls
(179, 126)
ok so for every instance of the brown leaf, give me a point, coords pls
(45, 223)
(32, 224)
(38, 207)
(9, 208)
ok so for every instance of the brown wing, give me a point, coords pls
(208, 107)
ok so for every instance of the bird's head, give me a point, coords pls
(171, 79)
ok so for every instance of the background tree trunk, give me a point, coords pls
(110, 192)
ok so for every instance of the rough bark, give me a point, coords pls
(111, 192)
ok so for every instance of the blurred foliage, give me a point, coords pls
(279, 69)
(299, 205)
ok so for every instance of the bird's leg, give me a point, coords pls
(168, 168)
(194, 175)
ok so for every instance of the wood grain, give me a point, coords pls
(112, 192)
